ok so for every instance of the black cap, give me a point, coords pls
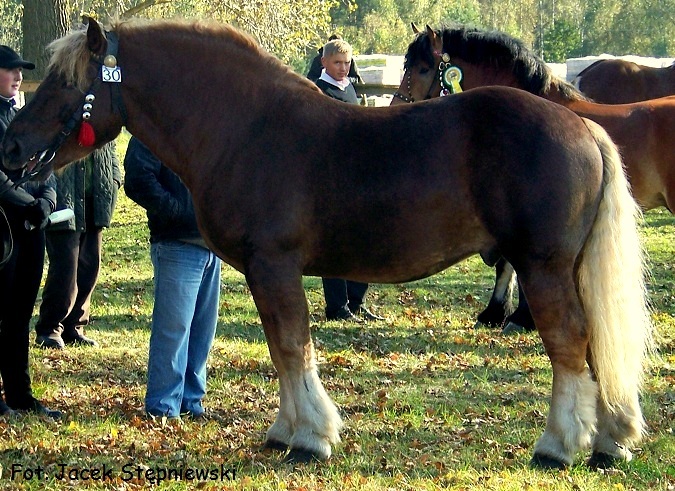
(10, 59)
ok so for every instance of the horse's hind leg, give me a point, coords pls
(560, 321)
(618, 429)
(501, 302)
(521, 319)
(308, 421)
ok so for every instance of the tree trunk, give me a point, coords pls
(42, 22)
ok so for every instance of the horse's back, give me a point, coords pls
(621, 81)
(437, 180)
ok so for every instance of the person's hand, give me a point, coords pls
(37, 213)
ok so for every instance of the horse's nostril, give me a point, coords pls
(10, 153)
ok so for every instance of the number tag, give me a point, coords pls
(112, 75)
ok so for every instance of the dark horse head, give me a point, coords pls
(483, 57)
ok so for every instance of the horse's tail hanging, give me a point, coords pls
(612, 285)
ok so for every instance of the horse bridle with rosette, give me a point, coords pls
(449, 76)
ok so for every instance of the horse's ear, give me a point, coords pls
(436, 41)
(96, 41)
(414, 28)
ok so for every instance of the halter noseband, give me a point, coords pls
(409, 98)
(82, 113)
(449, 77)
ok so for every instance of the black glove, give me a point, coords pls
(37, 213)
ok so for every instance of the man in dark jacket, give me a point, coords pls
(88, 187)
(21, 274)
(187, 287)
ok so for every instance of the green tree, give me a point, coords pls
(10, 20)
(561, 42)
(284, 27)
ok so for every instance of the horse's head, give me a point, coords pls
(422, 77)
(449, 60)
(72, 111)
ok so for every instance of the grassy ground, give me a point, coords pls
(429, 401)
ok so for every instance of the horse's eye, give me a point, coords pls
(424, 71)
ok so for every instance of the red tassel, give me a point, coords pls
(86, 137)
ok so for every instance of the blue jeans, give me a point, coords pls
(184, 317)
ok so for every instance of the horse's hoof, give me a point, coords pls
(513, 328)
(301, 456)
(489, 321)
(545, 462)
(275, 445)
(600, 460)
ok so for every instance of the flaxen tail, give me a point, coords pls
(612, 285)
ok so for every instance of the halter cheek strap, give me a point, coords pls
(109, 61)
(116, 96)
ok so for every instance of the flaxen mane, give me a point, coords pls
(70, 58)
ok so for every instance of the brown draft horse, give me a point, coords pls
(280, 194)
(642, 131)
(617, 81)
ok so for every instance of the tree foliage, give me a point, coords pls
(10, 20)
(294, 29)
(556, 29)
(286, 28)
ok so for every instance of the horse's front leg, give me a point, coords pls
(308, 421)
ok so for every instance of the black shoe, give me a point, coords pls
(53, 341)
(5, 410)
(342, 314)
(35, 406)
(366, 314)
(79, 340)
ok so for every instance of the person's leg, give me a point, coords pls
(177, 279)
(356, 293)
(335, 293)
(59, 293)
(8, 334)
(25, 272)
(202, 332)
(88, 267)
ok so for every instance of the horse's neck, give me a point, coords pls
(480, 76)
(166, 120)
(149, 120)
(555, 94)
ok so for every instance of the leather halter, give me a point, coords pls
(409, 98)
(443, 65)
(46, 156)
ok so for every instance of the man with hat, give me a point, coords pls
(20, 276)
